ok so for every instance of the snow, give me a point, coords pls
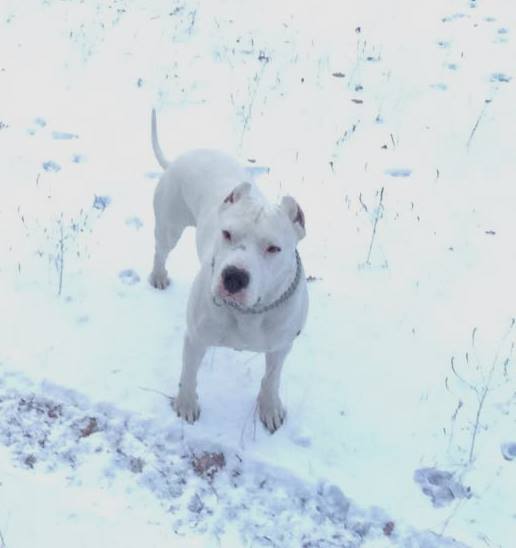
(387, 118)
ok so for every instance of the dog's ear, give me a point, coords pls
(236, 194)
(295, 214)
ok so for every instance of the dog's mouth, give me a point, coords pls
(237, 300)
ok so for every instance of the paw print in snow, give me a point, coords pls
(440, 486)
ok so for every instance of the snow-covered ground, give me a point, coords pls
(392, 123)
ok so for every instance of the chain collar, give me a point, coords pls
(257, 309)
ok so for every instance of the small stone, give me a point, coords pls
(208, 464)
(89, 428)
(30, 461)
(388, 528)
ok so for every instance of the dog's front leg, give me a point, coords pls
(272, 413)
(186, 404)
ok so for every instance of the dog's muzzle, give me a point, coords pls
(234, 279)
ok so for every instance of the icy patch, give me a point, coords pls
(440, 486)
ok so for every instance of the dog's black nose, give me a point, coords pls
(234, 279)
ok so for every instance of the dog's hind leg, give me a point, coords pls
(171, 218)
(165, 241)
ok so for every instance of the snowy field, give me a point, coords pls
(393, 124)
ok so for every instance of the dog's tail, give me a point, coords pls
(163, 162)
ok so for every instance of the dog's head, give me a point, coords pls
(255, 247)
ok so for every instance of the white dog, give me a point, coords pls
(250, 292)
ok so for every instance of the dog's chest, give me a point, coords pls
(253, 333)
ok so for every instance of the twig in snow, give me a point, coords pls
(378, 215)
(485, 391)
(460, 377)
(484, 386)
(59, 260)
(475, 127)
(453, 513)
(193, 17)
(248, 115)
(364, 207)
(170, 398)
(252, 415)
(453, 422)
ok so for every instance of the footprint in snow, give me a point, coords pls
(440, 486)
(453, 17)
(51, 166)
(500, 77)
(129, 277)
(134, 222)
(153, 175)
(398, 172)
(78, 159)
(39, 123)
(509, 451)
(101, 202)
(63, 136)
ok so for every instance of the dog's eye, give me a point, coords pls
(227, 235)
(273, 249)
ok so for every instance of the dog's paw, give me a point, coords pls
(159, 280)
(187, 408)
(272, 413)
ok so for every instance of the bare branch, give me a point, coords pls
(378, 215)
(460, 377)
(248, 115)
(485, 391)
